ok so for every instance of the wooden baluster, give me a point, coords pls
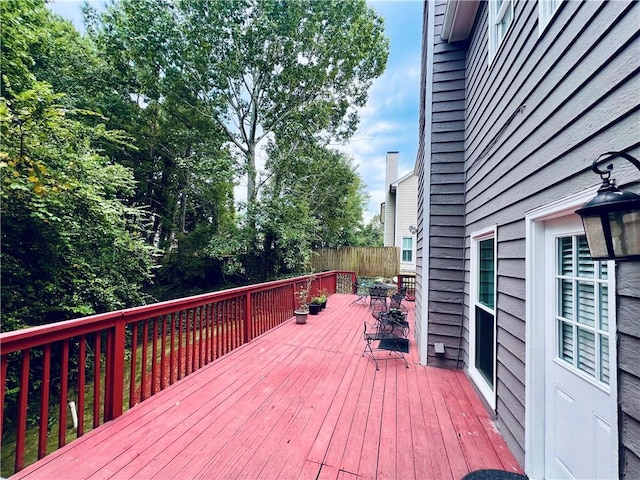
(210, 336)
(133, 368)
(44, 401)
(193, 343)
(82, 378)
(218, 333)
(114, 372)
(201, 336)
(145, 338)
(180, 316)
(96, 381)
(64, 385)
(154, 356)
(22, 409)
(172, 354)
(163, 354)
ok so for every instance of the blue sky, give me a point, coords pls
(389, 121)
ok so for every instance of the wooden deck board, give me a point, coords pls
(301, 402)
(188, 433)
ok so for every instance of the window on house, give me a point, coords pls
(546, 10)
(582, 309)
(407, 249)
(500, 19)
(484, 308)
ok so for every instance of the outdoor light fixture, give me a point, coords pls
(612, 218)
(413, 229)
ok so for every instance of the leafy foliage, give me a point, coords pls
(132, 138)
(70, 246)
(371, 234)
(266, 66)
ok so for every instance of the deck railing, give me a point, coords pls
(67, 378)
(408, 281)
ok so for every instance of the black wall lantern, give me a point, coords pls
(612, 218)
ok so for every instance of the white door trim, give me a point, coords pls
(534, 357)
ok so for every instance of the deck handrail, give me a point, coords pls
(186, 333)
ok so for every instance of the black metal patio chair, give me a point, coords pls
(396, 303)
(387, 341)
(377, 295)
(396, 319)
(361, 290)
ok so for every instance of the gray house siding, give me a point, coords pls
(446, 200)
(535, 119)
(628, 281)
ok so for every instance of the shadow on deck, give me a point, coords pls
(297, 402)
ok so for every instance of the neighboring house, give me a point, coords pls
(398, 213)
(517, 99)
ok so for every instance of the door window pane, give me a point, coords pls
(565, 304)
(586, 351)
(582, 317)
(566, 341)
(604, 359)
(565, 257)
(586, 303)
(586, 266)
(604, 307)
(603, 270)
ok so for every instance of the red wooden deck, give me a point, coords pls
(297, 402)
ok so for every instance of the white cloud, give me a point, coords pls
(388, 122)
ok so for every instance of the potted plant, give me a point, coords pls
(302, 307)
(315, 305)
(322, 295)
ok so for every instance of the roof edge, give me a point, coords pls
(458, 19)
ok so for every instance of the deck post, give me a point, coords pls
(114, 389)
(247, 318)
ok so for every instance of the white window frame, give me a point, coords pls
(487, 391)
(410, 250)
(495, 18)
(546, 11)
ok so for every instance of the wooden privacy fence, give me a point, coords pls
(365, 261)
(107, 363)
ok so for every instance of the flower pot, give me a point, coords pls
(314, 308)
(323, 305)
(301, 316)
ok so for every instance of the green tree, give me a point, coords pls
(70, 244)
(371, 234)
(184, 172)
(264, 73)
(264, 67)
(327, 182)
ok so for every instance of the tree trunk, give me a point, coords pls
(252, 193)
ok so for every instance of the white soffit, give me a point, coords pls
(458, 19)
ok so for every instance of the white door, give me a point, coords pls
(580, 420)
